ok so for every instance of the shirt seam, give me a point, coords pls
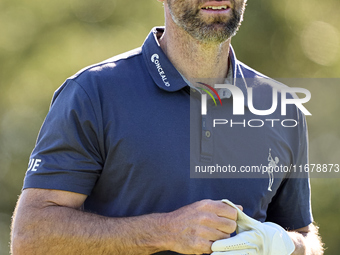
(95, 114)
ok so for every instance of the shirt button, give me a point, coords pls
(207, 133)
(224, 93)
(193, 90)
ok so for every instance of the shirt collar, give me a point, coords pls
(159, 66)
(238, 76)
(165, 74)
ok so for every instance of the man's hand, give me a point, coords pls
(193, 228)
(268, 238)
(254, 237)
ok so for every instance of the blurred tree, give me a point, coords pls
(44, 42)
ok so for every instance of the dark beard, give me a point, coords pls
(218, 31)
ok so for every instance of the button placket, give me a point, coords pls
(207, 141)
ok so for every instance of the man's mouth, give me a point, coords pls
(217, 6)
(224, 7)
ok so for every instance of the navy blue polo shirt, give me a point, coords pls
(119, 132)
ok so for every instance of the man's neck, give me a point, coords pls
(192, 58)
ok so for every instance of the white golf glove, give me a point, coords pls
(254, 238)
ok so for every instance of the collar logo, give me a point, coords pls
(155, 60)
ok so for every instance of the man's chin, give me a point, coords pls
(218, 18)
(212, 37)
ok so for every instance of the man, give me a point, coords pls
(110, 170)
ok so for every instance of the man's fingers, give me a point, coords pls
(225, 225)
(240, 207)
(227, 216)
(226, 211)
(193, 228)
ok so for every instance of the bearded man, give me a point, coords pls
(110, 171)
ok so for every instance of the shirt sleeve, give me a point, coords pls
(68, 154)
(291, 206)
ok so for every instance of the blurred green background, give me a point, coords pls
(44, 42)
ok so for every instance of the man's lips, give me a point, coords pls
(216, 5)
